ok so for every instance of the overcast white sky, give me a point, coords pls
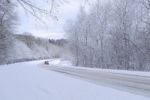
(53, 28)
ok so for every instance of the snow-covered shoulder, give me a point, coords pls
(67, 63)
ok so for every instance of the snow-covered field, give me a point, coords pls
(29, 81)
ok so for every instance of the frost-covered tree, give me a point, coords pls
(113, 34)
(123, 21)
(7, 24)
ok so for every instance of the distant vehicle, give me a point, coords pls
(46, 63)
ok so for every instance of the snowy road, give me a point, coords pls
(29, 81)
(136, 84)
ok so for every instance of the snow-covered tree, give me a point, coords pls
(113, 34)
(7, 24)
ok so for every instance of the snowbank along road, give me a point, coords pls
(136, 84)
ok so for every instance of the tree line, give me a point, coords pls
(113, 34)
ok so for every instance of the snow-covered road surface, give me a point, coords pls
(133, 83)
(29, 81)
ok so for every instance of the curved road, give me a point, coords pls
(135, 84)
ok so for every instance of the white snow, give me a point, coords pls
(61, 62)
(29, 81)
(67, 63)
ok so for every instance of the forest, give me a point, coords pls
(112, 35)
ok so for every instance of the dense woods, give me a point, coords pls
(114, 34)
